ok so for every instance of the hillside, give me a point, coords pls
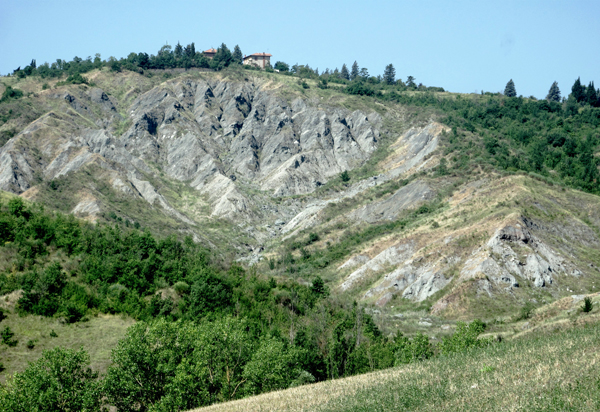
(240, 160)
(519, 375)
(322, 222)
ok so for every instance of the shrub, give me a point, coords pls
(417, 349)
(181, 288)
(53, 334)
(588, 305)
(10, 93)
(345, 176)
(7, 337)
(58, 381)
(31, 343)
(465, 337)
(526, 312)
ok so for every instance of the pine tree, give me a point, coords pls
(553, 93)
(237, 56)
(410, 81)
(389, 74)
(578, 91)
(344, 72)
(591, 96)
(509, 90)
(354, 72)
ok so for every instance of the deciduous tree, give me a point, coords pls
(59, 381)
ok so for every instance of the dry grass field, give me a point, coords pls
(98, 337)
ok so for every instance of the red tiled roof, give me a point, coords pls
(259, 55)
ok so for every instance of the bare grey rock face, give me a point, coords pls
(408, 197)
(213, 135)
(393, 255)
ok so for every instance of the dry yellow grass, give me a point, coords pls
(98, 337)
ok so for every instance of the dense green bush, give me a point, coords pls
(59, 381)
(465, 337)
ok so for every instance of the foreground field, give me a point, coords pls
(98, 337)
(551, 371)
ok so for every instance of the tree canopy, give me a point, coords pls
(389, 74)
(509, 90)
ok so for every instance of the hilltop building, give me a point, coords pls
(210, 53)
(261, 60)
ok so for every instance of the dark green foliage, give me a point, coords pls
(410, 82)
(53, 334)
(237, 55)
(590, 95)
(354, 73)
(222, 59)
(510, 90)
(588, 305)
(465, 338)
(389, 74)
(360, 88)
(553, 93)
(2, 315)
(7, 337)
(59, 381)
(31, 343)
(412, 350)
(318, 287)
(10, 93)
(76, 78)
(282, 67)
(345, 176)
(345, 74)
(578, 91)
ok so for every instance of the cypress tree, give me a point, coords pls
(591, 96)
(237, 56)
(509, 90)
(344, 73)
(578, 91)
(354, 72)
(553, 93)
(389, 74)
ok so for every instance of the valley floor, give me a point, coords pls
(550, 371)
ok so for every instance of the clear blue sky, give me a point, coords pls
(463, 46)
